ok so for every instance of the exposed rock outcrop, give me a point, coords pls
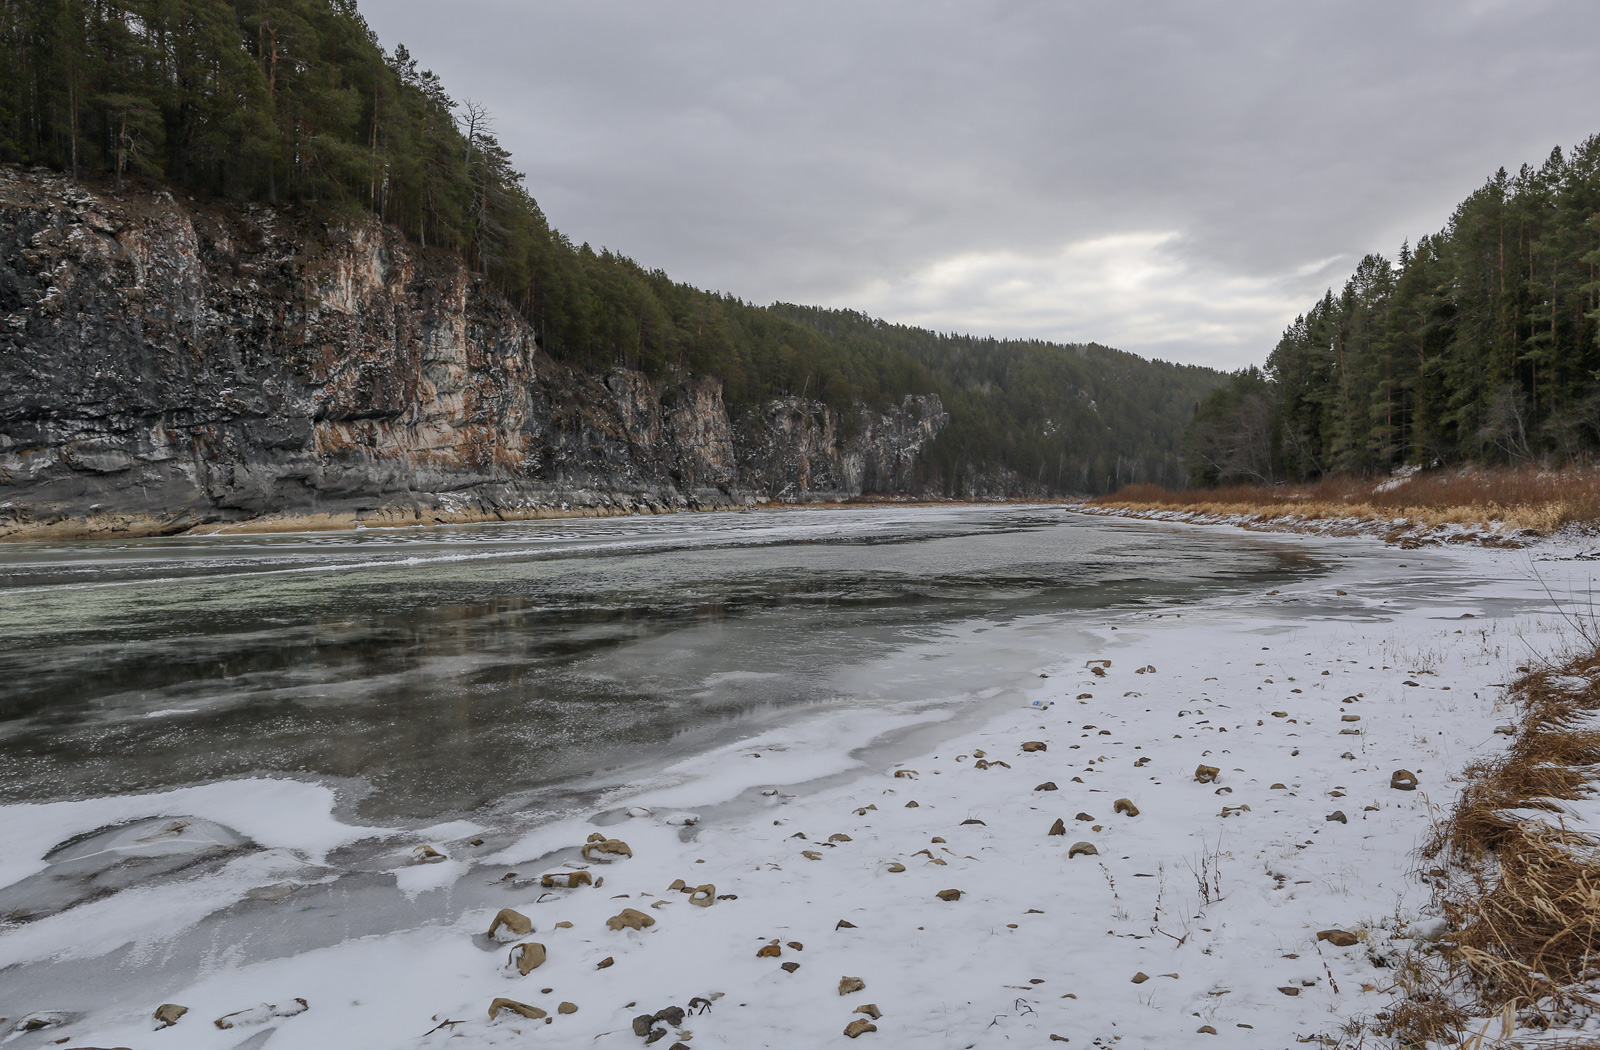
(166, 365)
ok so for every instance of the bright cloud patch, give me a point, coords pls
(1136, 291)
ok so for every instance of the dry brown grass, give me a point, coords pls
(1520, 499)
(1523, 898)
(1530, 935)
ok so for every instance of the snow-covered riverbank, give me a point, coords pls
(1196, 914)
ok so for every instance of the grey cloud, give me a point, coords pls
(962, 164)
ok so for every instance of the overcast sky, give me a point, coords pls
(1172, 177)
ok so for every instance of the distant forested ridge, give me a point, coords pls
(295, 104)
(1478, 344)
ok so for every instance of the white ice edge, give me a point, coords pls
(277, 814)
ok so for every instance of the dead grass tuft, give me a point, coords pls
(1524, 899)
(1530, 936)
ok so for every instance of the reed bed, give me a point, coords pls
(1522, 888)
(1516, 499)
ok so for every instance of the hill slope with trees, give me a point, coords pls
(296, 105)
(1478, 344)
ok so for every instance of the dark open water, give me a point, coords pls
(437, 670)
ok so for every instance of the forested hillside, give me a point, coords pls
(1477, 344)
(1064, 418)
(295, 104)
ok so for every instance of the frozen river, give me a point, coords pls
(311, 708)
(434, 671)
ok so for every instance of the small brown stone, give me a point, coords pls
(1290, 990)
(514, 921)
(532, 1013)
(1206, 774)
(851, 984)
(844, 924)
(797, 946)
(1126, 806)
(1205, 1029)
(870, 1009)
(1085, 848)
(1403, 780)
(630, 919)
(858, 1027)
(168, 1014)
(603, 963)
(528, 957)
(1059, 827)
(1140, 977)
(1035, 745)
(912, 804)
(948, 895)
(1337, 938)
(791, 967)
(614, 847)
(567, 1008)
(770, 950)
(1048, 785)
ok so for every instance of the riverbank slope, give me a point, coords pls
(1506, 507)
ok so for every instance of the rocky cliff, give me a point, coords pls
(166, 365)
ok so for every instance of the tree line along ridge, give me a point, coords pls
(1476, 345)
(296, 104)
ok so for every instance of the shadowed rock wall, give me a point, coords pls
(165, 365)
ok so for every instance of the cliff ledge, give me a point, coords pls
(166, 366)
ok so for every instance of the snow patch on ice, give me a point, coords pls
(283, 814)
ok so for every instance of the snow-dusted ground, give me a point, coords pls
(1306, 699)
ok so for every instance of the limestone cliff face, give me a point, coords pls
(165, 365)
